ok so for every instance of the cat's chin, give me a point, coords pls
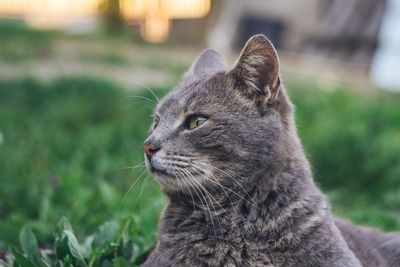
(162, 175)
(167, 181)
(164, 178)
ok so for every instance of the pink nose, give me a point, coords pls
(149, 149)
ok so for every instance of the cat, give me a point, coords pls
(224, 147)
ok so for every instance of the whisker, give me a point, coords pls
(178, 163)
(139, 198)
(240, 196)
(205, 200)
(218, 183)
(184, 182)
(131, 187)
(214, 180)
(142, 97)
(151, 91)
(140, 165)
(181, 158)
(230, 176)
(203, 175)
(209, 196)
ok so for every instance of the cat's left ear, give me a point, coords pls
(256, 73)
(209, 62)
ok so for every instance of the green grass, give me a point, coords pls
(108, 58)
(73, 147)
(67, 151)
(353, 142)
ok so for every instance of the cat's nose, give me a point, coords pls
(150, 149)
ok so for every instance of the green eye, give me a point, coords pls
(195, 121)
(155, 121)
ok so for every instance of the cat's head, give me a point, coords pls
(221, 125)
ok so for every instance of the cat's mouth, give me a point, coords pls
(157, 170)
(174, 174)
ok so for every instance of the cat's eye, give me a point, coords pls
(195, 121)
(156, 120)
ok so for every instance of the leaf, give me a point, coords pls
(86, 247)
(128, 250)
(29, 243)
(64, 224)
(143, 256)
(21, 259)
(120, 262)
(106, 234)
(74, 247)
(61, 247)
(107, 263)
(44, 263)
(47, 258)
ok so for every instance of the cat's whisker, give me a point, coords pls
(178, 163)
(203, 197)
(181, 158)
(209, 196)
(179, 181)
(205, 204)
(183, 176)
(214, 180)
(227, 172)
(223, 209)
(187, 187)
(151, 91)
(230, 176)
(139, 198)
(198, 170)
(139, 165)
(131, 187)
(143, 98)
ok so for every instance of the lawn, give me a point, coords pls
(71, 149)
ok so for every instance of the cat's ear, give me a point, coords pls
(256, 73)
(209, 62)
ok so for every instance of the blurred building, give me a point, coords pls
(386, 63)
(340, 29)
(49, 14)
(343, 36)
(153, 16)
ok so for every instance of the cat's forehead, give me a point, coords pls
(191, 95)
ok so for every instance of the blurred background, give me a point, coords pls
(79, 80)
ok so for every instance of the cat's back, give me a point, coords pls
(372, 247)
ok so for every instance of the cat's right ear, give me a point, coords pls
(256, 73)
(209, 62)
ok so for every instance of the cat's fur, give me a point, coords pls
(240, 189)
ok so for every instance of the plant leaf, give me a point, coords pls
(21, 259)
(29, 243)
(106, 234)
(64, 224)
(74, 247)
(61, 247)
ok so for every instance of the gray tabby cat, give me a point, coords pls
(224, 147)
